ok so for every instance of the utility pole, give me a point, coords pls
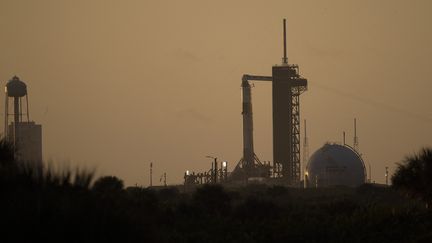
(165, 184)
(214, 170)
(305, 151)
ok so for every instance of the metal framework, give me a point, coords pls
(287, 85)
(295, 133)
(15, 84)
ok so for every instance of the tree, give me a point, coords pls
(414, 175)
(108, 184)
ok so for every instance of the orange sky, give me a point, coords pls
(118, 84)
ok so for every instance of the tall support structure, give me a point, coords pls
(287, 86)
(305, 149)
(285, 58)
(16, 90)
(24, 134)
(356, 142)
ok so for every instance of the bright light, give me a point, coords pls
(187, 172)
(224, 164)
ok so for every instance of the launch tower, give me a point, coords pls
(287, 85)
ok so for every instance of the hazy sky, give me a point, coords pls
(118, 84)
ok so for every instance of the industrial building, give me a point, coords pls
(19, 130)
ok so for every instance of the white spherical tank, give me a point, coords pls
(335, 165)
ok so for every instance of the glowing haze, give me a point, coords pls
(119, 84)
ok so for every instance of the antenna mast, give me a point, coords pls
(285, 58)
(356, 142)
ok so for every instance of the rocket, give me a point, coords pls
(248, 148)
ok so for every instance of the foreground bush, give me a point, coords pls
(414, 175)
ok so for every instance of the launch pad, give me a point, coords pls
(287, 86)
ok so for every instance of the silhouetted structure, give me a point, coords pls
(335, 165)
(287, 85)
(356, 141)
(249, 165)
(305, 149)
(25, 135)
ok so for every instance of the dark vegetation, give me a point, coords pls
(414, 176)
(40, 205)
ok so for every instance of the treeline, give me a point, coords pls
(39, 205)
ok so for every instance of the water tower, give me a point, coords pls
(24, 134)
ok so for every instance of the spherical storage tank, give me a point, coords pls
(335, 165)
